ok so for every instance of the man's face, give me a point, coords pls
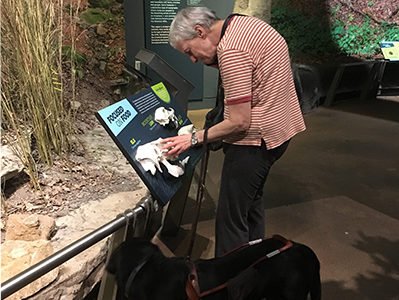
(200, 49)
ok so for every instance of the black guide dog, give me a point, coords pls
(142, 272)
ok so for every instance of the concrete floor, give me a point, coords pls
(336, 189)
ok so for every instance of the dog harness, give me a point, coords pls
(192, 286)
(133, 274)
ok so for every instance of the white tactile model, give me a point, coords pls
(188, 129)
(164, 116)
(150, 156)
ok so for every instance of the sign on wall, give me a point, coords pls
(390, 50)
(159, 15)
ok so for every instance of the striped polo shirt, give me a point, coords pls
(255, 66)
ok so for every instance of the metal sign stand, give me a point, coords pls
(180, 88)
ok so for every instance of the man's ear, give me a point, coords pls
(201, 32)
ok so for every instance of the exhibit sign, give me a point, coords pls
(131, 124)
(159, 15)
(390, 50)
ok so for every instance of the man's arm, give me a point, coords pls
(239, 121)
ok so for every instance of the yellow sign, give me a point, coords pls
(390, 50)
(161, 92)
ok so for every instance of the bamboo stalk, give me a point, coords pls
(31, 51)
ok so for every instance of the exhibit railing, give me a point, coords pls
(135, 221)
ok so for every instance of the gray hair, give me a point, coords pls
(182, 26)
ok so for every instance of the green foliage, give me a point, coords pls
(303, 34)
(308, 35)
(100, 3)
(78, 58)
(353, 39)
(362, 39)
(95, 16)
(391, 32)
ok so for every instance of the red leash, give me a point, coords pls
(192, 286)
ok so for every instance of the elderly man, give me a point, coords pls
(261, 112)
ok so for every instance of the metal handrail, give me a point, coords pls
(22, 279)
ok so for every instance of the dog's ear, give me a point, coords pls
(111, 265)
(129, 253)
(115, 259)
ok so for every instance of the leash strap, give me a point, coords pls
(200, 192)
(192, 288)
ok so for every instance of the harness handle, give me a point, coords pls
(192, 287)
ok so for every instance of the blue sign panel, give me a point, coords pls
(117, 116)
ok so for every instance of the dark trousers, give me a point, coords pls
(240, 214)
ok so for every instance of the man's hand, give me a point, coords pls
(239, 121)
(176, 144)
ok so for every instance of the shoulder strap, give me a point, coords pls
(226, 23)
(220, 92)
(200, 192)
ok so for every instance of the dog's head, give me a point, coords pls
(128, 256)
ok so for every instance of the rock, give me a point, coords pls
(101, 30)
(75, 105)
(17, 256)
(115, 69)
(100, 145)
(29, 227)
(103, 65)
(117, 91)
(11, 165)
(79, 275)
(259, 9)
(104, 103)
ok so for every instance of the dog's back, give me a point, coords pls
(290, 275)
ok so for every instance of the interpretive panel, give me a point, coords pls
(159, 15)
(390, 50)
(131, 123)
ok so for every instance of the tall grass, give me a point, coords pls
(21, 140)
(73, 15)
(31, 75)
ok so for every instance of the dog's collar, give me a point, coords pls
(133, 274)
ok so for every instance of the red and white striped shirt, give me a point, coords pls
(255, 66)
